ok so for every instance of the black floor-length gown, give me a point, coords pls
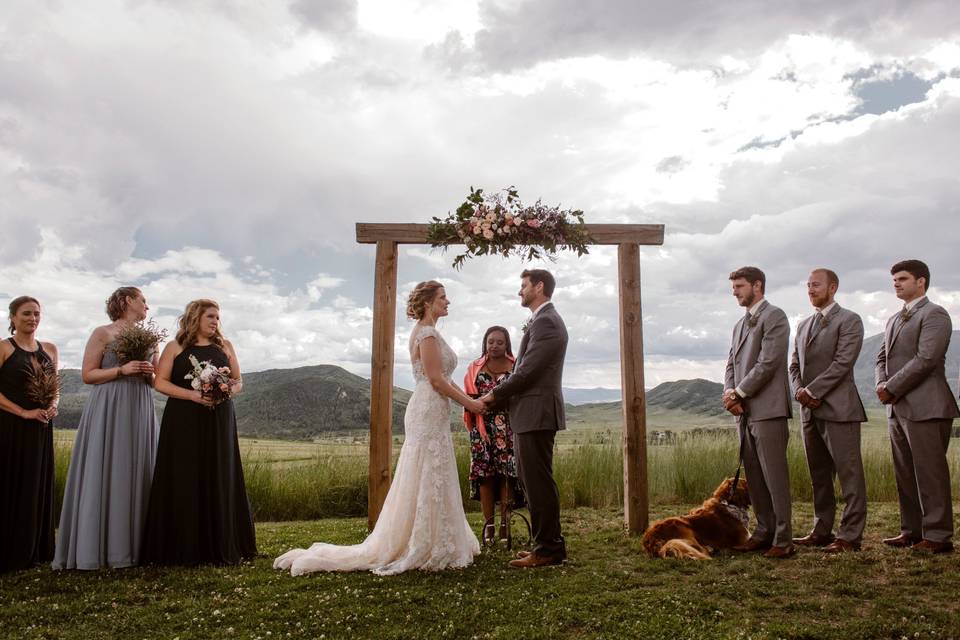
(26, 471)
(199, 512)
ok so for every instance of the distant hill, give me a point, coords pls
(292, 404)
(863, 371)
(306, 402)
(696, 396)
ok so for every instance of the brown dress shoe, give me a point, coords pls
(522, 554)
(780, 552)
(841, 546)
(902, 540)
(814, 540)
(753, 544)
(534, 560)
(929, 546)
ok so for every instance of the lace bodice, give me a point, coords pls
(448, 357)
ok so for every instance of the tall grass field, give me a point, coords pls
(306, 481)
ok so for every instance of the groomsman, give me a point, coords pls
(912, 382)
(758, 393)
(821, 369)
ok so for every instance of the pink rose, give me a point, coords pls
(488, 234)
(533, 222)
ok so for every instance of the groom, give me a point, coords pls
(536, 414)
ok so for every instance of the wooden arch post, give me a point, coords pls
(628, 238)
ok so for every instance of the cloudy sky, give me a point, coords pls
(210, 148)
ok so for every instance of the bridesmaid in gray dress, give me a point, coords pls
(108, 483)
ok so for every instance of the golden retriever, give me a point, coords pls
(719, 523)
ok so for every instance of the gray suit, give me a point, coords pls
(911, 364)
(757, 365)
(822, 362)
(536, 414)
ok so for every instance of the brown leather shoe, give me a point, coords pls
(841, 546)
(814, 540)
(522, 554)
(931, 547)
(780, 553)
(752, 544)
(902, 540)
(534, 560)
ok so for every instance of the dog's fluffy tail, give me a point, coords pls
(680, 548)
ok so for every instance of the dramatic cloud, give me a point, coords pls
(228, 150)
(520, 33)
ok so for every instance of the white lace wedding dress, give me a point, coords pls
(422, 524)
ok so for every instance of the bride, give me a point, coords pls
(422, 524)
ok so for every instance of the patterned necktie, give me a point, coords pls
(815, 327)
(745, 324)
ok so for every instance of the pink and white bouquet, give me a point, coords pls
(499, 224)
(210, 381)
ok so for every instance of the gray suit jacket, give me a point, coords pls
(758, 364)
(534, 389)
(824, 365)
(912, 362)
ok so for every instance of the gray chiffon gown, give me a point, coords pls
(108, 483)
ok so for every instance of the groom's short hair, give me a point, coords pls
(541, 275)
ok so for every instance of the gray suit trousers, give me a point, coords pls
(923, 476)
(833, 449)
(768, 478)
(534, 454)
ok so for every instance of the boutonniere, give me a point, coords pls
(752, 321)
(825, 321)
(905, 315)
(526, 325)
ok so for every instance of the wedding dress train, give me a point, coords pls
(422, 524)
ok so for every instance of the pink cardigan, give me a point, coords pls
(470, 387)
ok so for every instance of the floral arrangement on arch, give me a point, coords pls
(499, 224)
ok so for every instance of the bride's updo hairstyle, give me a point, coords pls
(421, 296)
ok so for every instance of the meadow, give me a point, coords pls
(302, 492)
(310, 480)
(608, 589)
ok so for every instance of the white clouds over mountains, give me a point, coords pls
(227, 150)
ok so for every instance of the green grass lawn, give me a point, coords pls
(608, 589)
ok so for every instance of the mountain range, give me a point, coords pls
(310, 402)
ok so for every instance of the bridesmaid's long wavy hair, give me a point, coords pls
(15, 304)
(422, 295)
(190, 323)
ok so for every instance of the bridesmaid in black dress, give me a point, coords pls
(199, 512)
(26, 445)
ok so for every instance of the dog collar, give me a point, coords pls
(740, 513)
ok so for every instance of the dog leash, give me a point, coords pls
(736, 477)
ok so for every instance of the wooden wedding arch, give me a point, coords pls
(628, 238)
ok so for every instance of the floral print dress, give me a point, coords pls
(493, 458)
